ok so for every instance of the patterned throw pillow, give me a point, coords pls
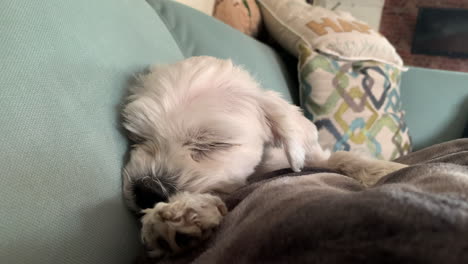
(355, 105)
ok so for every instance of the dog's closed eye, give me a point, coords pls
(200, 151)
(202, 143)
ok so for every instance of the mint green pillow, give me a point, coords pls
(65, 69)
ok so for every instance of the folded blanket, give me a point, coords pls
(416, 215)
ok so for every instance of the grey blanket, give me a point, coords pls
(416, 215)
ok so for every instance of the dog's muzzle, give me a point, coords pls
(149, 191)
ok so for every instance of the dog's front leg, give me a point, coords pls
(366, 170)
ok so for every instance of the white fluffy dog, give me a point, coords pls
(203, 126)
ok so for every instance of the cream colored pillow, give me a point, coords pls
(205, 6)
(292, 22)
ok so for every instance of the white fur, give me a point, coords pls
(204, 100)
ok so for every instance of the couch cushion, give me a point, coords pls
(198, 34)
(65, 66)
(436, 104)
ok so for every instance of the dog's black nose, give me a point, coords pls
(149, 191)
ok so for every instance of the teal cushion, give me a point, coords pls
(436, 104)
(65, 66)
(198, 34)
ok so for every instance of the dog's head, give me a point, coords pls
(202, 125)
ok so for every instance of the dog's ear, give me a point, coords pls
(140, 118)
(290, 129)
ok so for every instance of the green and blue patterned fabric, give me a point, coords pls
(356, 106)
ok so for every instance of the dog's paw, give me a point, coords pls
(296, 155)
(182, 223)
(364, 169)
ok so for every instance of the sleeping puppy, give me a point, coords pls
(201, 127)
